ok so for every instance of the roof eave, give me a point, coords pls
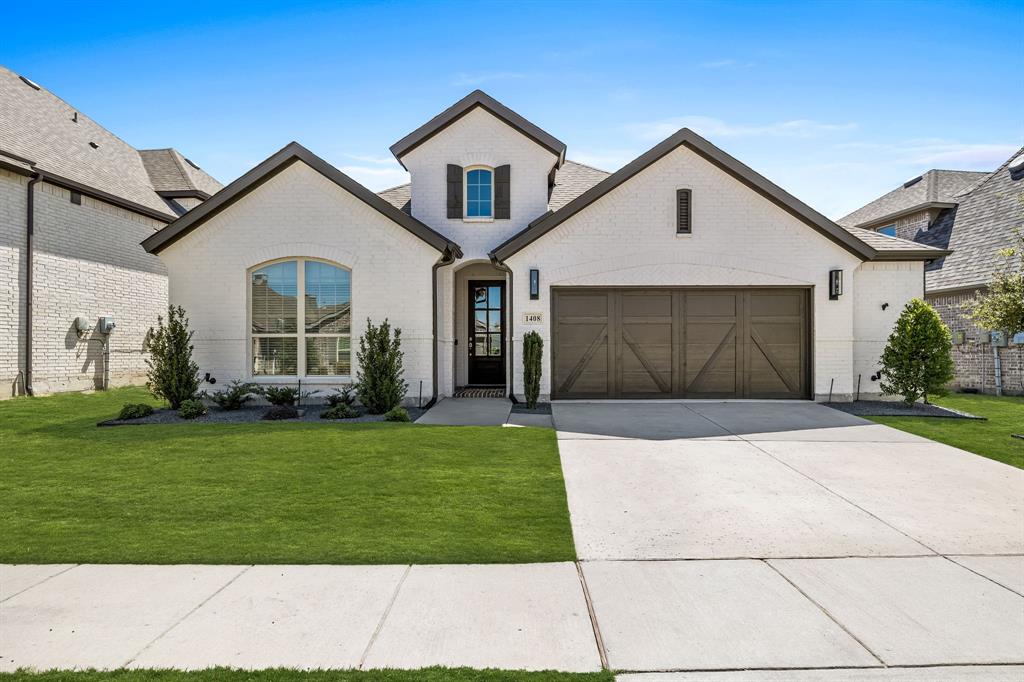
(711, 153)
(910, 255)
(264, 171)
(896, 215)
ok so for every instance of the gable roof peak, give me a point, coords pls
(479, 99)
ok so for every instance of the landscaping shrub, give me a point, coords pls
(533, 352)
(172, 375)
(344, 396)
(340, 411)
(282, 395)
(191, 408)
(916, 362)
(281, 412)
(397, 414)
(135, 411)
(235, 396)
(379, 380)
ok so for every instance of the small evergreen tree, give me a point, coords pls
(379, 380)
(172, 375)
(916, 362)
(533, 352)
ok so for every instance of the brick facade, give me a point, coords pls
(910, 225)
(88, 263)
(974, 360)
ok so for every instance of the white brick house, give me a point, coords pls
(683, 274)
(75, 251)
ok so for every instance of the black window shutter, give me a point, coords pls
(454, 191)
(503, 192)
(684, 211)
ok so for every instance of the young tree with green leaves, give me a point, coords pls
(916, 361)
(172, 376)
(1001, 305)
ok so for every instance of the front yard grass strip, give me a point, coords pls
(288, 675)
(992, 438)
(272, 493)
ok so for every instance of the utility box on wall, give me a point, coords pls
(997, 339)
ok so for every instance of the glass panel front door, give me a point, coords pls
(486, 333)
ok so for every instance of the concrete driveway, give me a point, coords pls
(789, 535)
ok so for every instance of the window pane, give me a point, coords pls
(495, 321)
(495, 297)
(473, 192)
(328, 299)
(274, 294)
(484, 209)
(275, 356)
(480, 297)
(495, 346)
(473, 177)
(472, 209)
(480, 325)
(328, 356)
(888, 230)
(481, 347)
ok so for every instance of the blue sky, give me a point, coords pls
(837, 102)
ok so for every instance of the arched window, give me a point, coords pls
(479, 193)
(312, 339)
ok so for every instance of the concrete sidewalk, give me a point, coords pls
(649, 615)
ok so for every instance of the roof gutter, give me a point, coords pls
(447, 258)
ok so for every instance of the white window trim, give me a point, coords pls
(300, 328)
(465, 195)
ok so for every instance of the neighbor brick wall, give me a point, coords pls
(300, 213)
(628, 238)
(908, 226)
(88, 262)
(975, 364)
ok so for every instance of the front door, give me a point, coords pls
(487, 333)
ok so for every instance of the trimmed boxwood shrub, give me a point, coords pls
(190, 409)
(340, 411)
(916, 361)
(281, 412)
(135, 411)
(397, 414)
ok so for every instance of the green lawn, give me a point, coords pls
(283, 675)
(71, 492)
(988, 438)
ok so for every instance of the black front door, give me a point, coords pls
(486, 333)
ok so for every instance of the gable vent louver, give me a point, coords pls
(684, 211)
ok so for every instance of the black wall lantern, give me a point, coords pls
(835, 284)
(534, 285)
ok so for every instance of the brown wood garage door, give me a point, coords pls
(680, 343)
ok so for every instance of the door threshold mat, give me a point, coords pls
(471, 392)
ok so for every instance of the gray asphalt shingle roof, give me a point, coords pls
(976, 230)
(37, 125)
(935, 186)
(169, 171)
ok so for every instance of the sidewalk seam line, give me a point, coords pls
(183, 618)
(598, 639)
(383, 617)
(827, 613)
(978, 573)
(33, 585)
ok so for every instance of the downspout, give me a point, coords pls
(30, 230)
(447, 258)
(510, 323)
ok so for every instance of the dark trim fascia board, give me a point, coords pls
(689, 139)
(264, 171)
(896, 215)
(185, 194)
(911, 255)
(478, 98)
(958, 289)
(21, 159)
(51, 178)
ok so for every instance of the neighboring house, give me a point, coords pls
(974, 215)
(683, 274)
(75, 202)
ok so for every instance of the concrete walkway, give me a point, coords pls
(468, 412)
(713, 538)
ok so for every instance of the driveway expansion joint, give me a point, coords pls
(598, 640)
(384, 617)
(37, 584)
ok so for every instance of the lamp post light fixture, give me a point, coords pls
(835, 284)
(534, 285)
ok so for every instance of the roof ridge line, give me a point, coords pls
(983, 181)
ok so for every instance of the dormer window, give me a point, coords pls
(479, 194)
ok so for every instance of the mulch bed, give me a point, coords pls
(541, 408)
(898, 408)
(249, 414)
